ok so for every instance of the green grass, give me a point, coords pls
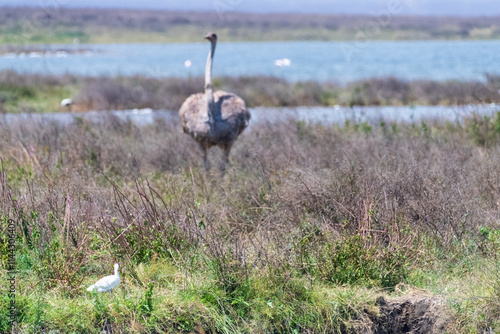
(158, 296)
(182, 302)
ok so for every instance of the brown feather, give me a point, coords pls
(230, 119)
(228, 112)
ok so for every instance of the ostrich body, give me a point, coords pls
(214, 118)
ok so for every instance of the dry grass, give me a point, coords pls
(39, 93)
(304, 208)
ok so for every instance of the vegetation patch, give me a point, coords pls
(43, 93)
(314, 228)
(57, 25)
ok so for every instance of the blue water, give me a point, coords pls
(326, 115)
(322, 61)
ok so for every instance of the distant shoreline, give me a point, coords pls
(40, 51)
(59, 25)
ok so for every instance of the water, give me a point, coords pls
(336, 115)
(322, 61)
(373, 115)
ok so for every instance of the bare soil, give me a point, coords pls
(414, 314)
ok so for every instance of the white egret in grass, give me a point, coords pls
(67, 103)
(107, 283)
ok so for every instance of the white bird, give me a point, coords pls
(188, 63)
(278, 62)
(107, 283)
(282, 62)
(67, 103)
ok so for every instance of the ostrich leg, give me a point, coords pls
(225, 159)
(206, 162)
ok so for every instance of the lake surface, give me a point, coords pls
(321, 61)
(325, 115)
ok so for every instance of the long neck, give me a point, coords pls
(116, 272)
(209, 94)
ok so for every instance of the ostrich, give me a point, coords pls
(214, 118)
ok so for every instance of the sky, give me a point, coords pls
(407, 7)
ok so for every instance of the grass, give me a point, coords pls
(43, 93)
(56, 25)
(309, 226)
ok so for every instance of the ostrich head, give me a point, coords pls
(211, 36)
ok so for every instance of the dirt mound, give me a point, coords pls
(410, 314)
